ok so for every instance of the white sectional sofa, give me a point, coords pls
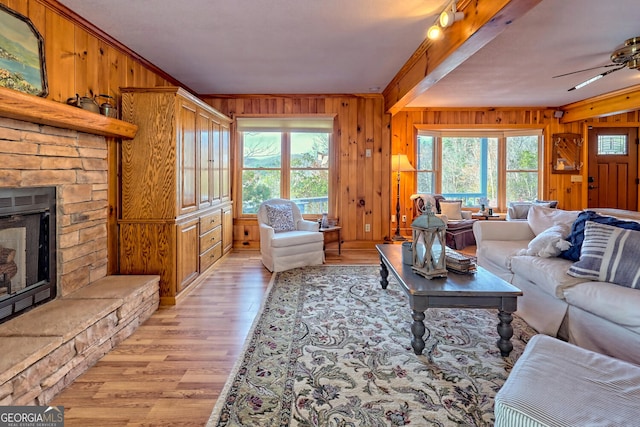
(597, 315)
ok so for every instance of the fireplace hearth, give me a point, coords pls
(27, 249)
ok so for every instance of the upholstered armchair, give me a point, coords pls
(459, 232)
(286, 239)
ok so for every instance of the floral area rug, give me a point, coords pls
(332, 348)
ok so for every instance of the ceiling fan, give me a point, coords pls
(626, 56)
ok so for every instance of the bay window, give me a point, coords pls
(480, 167)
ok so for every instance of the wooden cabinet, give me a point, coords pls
(227, 229)
(175, 188)
(187, 253)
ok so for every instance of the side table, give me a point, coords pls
(332, 234)
(485, 217)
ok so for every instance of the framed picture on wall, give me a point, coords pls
(22, 65)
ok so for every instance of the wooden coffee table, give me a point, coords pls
(481, 289)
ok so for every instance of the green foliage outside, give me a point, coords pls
(308, 170)
(470, 168)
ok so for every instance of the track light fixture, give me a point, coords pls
(435, 32)
(446, 19)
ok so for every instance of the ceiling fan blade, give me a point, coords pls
(593, 79)
(586, 69)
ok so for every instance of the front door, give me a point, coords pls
(613, 168)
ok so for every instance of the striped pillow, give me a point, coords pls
(609, 254)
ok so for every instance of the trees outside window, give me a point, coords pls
(473, 164)
(290, 165)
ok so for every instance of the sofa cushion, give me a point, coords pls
(280, 217)
(497, 254)
(542, 217)
(609, 301)
(609, 254)
(549, 274)
(551, 203)
(549, 243)
(576, 237)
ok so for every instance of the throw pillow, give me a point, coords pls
(542, 217)
(519, 210)
(576, 236)
(280, 217)
(609, 254)
(452, 209)
(550, 243)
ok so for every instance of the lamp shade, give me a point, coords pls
(400, 163)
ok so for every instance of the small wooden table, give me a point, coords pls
(332, 234)
(479, 290)
(486, 217)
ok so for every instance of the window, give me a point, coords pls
(522, 168)
(612, 145)
(284, 158)
(474, 163)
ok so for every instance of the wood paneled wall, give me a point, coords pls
(361, 185)
(81, 60)
(571, 195)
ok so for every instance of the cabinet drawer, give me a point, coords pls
(209, 257)
(210, 238)
(210, 221)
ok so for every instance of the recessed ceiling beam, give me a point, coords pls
(483, 21)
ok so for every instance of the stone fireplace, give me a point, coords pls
(27, 249)
(65, 311)
(75, 165)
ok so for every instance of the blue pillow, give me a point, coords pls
(576, 237)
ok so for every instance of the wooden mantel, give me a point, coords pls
(30, 108)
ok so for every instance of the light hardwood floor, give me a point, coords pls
(172, 369)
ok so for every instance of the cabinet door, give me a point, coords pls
(225, 169)
(204, 155)
(227, 229)
(215, 164)
(188, 253)
(187, 161)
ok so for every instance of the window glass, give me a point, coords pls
(424, 168)
(310, 171)
(474, 163)
(522, 168)
(469, 169)
(290, 165)
(615, 145)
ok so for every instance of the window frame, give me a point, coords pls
(285, 125)
(502, 134)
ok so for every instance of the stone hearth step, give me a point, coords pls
(45, 349)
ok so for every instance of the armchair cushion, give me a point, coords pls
(280, 217)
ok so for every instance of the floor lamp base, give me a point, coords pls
(398, 238)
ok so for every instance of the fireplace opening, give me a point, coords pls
(27, 249)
